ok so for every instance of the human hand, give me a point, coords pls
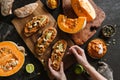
(79, 54)
(59, 75)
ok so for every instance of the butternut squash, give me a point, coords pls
(70, 25)
(83, 8)
(11, 58)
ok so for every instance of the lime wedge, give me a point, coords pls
(30, 68)
(78, 69)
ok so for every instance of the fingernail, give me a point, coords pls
(68, 53)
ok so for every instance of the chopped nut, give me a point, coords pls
(4, 68)
(44, 39)
(10, 68)
(30, 27)
(57, 51)
(35, 24)
(40, 46)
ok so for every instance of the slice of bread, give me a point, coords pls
(37, 23)
(45, 40)
(58, 53)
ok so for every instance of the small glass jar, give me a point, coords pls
(108, 31)
(52, 4)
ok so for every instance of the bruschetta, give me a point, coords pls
(58, 52)
(35, 24)
(45, 40)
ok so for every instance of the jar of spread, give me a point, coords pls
(52, 4)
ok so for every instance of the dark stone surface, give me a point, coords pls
(112, 10)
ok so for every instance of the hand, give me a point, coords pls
(79, 54)
(81, 58)
(59, 75)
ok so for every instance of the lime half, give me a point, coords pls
(30, 68)
(78, 69)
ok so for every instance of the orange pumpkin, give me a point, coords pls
(70, 25)
(83, 8)
(11, 58)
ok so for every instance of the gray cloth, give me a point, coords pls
(105, 70)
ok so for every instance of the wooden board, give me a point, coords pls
(31, 41)
(82, 36)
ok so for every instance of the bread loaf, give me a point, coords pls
(26, 10)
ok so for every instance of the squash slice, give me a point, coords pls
(11, 58)
(70, 25)
(83, 8)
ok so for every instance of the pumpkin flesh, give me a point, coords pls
(11, 59)
(83, 8)
(70, 25)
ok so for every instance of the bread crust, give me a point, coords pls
(38, 22)
(25, 10)
(58, 52)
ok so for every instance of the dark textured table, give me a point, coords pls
(112, 10)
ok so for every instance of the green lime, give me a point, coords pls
(30, 68)
(79, 69)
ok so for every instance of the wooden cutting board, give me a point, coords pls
(90, 29)
(30, 41)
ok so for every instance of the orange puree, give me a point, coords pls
(97, 48)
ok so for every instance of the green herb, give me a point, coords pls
(60, 47)
(48, 36)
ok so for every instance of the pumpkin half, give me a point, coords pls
(70, 25)
(11, 58)
(83, 8)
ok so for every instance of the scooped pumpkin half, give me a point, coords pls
(70, 25)
(11, 58)
(84, 8)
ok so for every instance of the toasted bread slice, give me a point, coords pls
(35, 24)
(44, 41)
(58, 53)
